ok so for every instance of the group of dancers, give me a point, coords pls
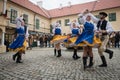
(86, 36)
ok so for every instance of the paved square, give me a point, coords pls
(41, 64)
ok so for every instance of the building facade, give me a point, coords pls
(39, 20)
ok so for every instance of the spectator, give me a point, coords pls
(41, 41)
(7, 45)
(46, 39)
(117, 39)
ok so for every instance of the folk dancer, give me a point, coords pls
(103, 29)
(19, 44)
(87, 39)
(57, 39)
(74, 26)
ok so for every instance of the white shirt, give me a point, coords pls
(108, 26)
(55, 28)
(83, 20)
(18, 21)
(27, 34)
(71, 26)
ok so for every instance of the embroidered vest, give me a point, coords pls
(102, 26)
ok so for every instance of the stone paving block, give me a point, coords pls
(41, 64)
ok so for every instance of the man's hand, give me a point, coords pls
(86, 11)
(103, 31)
(27, 39)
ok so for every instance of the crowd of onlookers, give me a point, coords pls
(114, 40)
(40, 41)
(44, 41)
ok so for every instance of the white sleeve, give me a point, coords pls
(21, 20)
(70, 24)
(27, 34)
(95, 27)
(53, 26)
(79, 31)
(53, 30)
(82, 19)
(109, 27)
(60, 29)
(78, 25)
(94, 19)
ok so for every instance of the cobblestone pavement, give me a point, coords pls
(40, 64)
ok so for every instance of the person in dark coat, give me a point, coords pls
(117, 39)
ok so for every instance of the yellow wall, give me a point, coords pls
(1, 4)
(5, 22)
(2, 19)
(2, 28)
(44, 24)
(65, 29)
(115, 24)
(31, 18)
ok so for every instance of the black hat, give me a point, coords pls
(103, 13)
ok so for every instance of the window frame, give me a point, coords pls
(25, 16)
(13, 15)
(112, 16)
(59, 21)
(67, 21)
(37, 23)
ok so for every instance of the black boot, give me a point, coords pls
(18, 58)
(110, 53)
(85, 62)
(15, 55)
(91, 62)
(59, 53)
(104, 63)
(54, 52)
(75, 56)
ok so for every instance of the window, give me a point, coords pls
(37, 24)
(51, 28)
(13, 16)
(59, 21)
(25, 16)
(97, 16)
(66, 22)
(112, 16)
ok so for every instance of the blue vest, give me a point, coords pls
(75, 31)
(57, 31)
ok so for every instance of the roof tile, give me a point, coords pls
(29, 5)
(92, 6)
(65, 11)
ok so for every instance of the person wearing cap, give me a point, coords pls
(57, 39)
(103, 29)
